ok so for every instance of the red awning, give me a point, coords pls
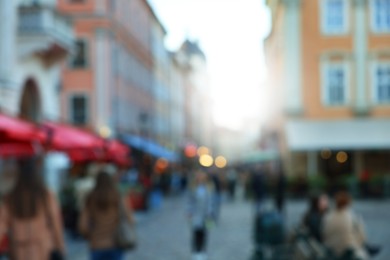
(118, 153)
(80, 145)
(63, 137)
(19, 138)
(19, 149)
(86, 155)
(15, 129)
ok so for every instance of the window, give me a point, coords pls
(334, 16)
(380, 16)
(78, 109)
(381, 83)
(79, 59)
(335, 84)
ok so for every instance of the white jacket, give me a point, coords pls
(343, 230)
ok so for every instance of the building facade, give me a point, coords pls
(35, 41)
(108, 85)
(177, 103)
(162, 82)
(198, 104)
(329, 85)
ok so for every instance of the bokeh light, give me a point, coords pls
(190, 151)
(342, 157)
(206, 160)
(326, 154)
(220, 162)
(203, 150)
(162, 164)
(105, 131)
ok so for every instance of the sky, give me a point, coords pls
(231, 33)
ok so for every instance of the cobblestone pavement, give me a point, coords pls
(165, 234)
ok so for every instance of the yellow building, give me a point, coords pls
(329, 85)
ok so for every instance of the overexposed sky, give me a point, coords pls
(230, 32)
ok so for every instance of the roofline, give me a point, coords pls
(155, 16)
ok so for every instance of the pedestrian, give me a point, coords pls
(101, 216)
(344, 230)
(258, 187)
(30, 215)
(232, 182)
(313, 219)
(200, 213)
(217, 194)
(280, 192)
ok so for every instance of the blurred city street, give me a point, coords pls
(164, 234)
(113, 105)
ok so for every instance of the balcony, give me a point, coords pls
(43, 31)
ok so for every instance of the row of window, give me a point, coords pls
(336, 83)
(79, 110)
(125, 65)
(129, 68)
(335, 16)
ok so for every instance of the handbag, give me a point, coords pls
(125, 237)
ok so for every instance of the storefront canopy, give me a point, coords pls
(63, 137)
(79, 145)
(18, 149)
(19, 138)
(150, 147)
(18, 130)
(118, 153)
(304, 135)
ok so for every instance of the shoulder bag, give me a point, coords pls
(125, 237)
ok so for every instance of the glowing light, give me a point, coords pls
(342, 157)
(161, 165)
(105, 131)
(220, 162)
(203, 150)
(190, 151)
(326, 154)
(206, 160)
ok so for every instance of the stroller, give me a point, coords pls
(270, 236)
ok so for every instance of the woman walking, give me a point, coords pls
(100, 219)
(201, 211)
(31, 217)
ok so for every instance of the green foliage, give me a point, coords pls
(317, 183)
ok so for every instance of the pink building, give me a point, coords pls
(108, 83)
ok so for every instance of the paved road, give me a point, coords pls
(165, 234)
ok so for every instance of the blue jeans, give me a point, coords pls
(106, 254)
